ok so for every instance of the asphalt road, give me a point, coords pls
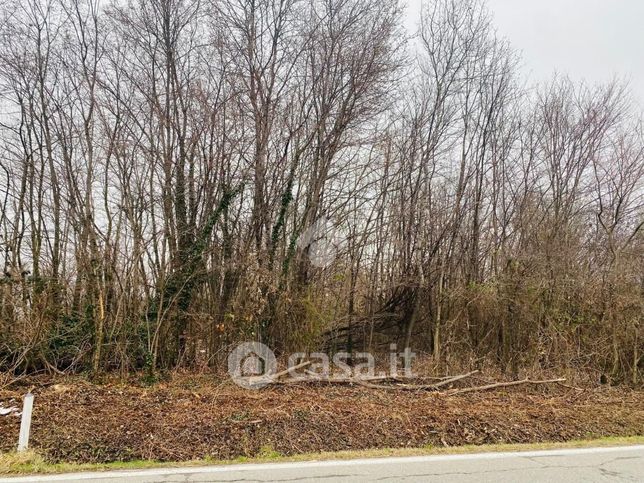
(566, 465)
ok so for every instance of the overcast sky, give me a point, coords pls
(593, 40)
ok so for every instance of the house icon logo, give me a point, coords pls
(251, 365)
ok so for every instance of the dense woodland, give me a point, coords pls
(172, 171)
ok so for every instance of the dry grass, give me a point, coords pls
(24, 462)
(31, 463)
(198, 418)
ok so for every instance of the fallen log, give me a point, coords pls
(268, 379)
(368, 381)
(290, 370)
(501, 384)
(442, 383)
(313, 377)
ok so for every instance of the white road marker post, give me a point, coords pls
(25, 423)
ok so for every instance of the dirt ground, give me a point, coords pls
(195, 417)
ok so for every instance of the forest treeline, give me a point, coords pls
(177, 176)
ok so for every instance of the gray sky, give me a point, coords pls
(591, 40)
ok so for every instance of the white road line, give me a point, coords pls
(318, 464)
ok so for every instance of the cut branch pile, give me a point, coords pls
(396, 382)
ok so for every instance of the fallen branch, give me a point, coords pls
(571, 387)
(7, 380)
(502, 384)
(442, 383)
(275, 377)
(314, 377)
(268, 379)
(368, 381)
